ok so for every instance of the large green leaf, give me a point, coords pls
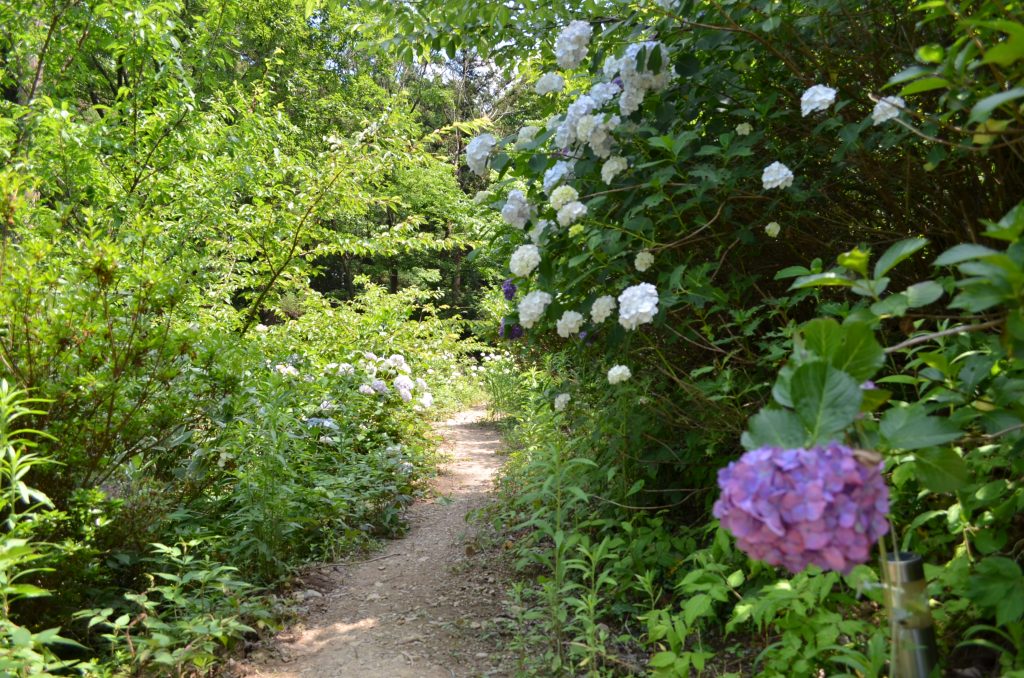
(851, 347)
(940, 469)
(774, 428)
(825, 399)
(910, 428)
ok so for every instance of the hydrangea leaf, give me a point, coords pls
(851, 348)
(825, 399)
(940, 469)
(909, 428)
(774, 428)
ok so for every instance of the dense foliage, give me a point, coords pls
(233, 278)
(238, 254)
(694, 168)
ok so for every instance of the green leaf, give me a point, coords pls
(696, 606)
(825, 399)
(893, 305)
(792, 272)
(983, 109)
(774, 428)
(961, 253)
(910, 428)
(897, 253)
(851, 347)
(924, 85)
(997, 583)
(940, 469)
(663, 660)
(923, 293)
(828, 279)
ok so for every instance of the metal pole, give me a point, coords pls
(915, 653)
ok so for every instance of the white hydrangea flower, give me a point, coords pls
(612, 65)
(571, 44)
(612, 167)
(526, 135)
(345, 369)
(887, 108)
(531, 308)
(565, 135)
(602, 308)
(776, 175)
(619, 374)
(637, 83)
(561, 400)
(286, 370)
(548, 83)
(422, 384)
(571, 213)
(556, 174)
(643, 261)
(603, 92)
(816, 98)
(772, 229)
(516, 211)
(366, 389)
(537, 231)
(596, 130)
(260, 327)
(585, 126)
(397, 361)
(379, 385)
(638, 305)
(427, 400)
(524, 260)
(744, 128)
(482, 196)
(478, 151)
(569, 324)
(562, 196)
(403, 382)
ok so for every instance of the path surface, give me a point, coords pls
(421, 608)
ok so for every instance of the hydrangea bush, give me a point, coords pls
(742, 169)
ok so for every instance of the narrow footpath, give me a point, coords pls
(424, 607)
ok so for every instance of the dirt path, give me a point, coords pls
(420, 608)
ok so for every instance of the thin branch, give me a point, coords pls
(959, 329)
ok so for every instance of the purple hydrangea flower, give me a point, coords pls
(509, 288)
(516, 331)
(794, 508)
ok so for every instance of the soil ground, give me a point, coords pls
(428, 605)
